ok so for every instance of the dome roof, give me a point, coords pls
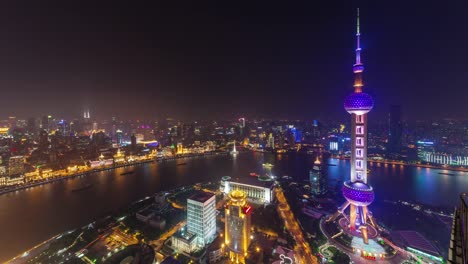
(358, 103)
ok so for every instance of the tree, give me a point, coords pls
(340, 257)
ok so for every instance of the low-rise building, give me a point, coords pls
(160, 202)
(257, 190)
(11, 180)
(16, 165)
(184, 241)
(145, 214)
(157, 222)
(215, 250)
(149, 215)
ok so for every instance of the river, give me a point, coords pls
(31, 216)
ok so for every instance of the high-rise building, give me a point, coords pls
(201, 217)
(237, 226)
(458, 251)
(357, 192)
(63, 127)
(86, 115)
(315, 129)
(318, 183)
(395, 130)
(31, 126)
(133, 141)
(271, 141)
(119, 137)
(12, 121)
(45, 123)
(242, 122)
(241, 126)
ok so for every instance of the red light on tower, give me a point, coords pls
(247, 209)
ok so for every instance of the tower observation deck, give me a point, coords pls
(357, 192)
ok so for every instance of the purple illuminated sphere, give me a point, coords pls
(358, 103)
(358, 193)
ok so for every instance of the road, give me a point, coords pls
(302, 248)
(158, 243)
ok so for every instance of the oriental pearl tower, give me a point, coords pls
(357, 192)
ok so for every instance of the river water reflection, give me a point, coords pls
(31, 216)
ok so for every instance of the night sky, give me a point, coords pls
(229, 59)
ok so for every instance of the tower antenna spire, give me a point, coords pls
(357, 30)
(358, 40)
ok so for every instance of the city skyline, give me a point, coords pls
(216, 134)
(196, 61)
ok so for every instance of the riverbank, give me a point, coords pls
(104, 168)
(55, 208)
(376, 162)
(399, 163)
(121, 226)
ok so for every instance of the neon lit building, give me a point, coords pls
(237, 226)
(357, 192)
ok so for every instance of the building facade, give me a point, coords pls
(318, 183)
(201, 217)
(184, 241)
(395, 131)
(458, 251)
(257, 191)
(16, 165)
(237, 226)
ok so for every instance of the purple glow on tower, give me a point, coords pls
(358, 193)
(358, 103)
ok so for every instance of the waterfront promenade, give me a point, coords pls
(85, 172)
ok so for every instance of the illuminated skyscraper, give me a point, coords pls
(357, 192)
(318, 184)
(271, 141)
(241, 126)
(119, 137)
(237, 226)
(86, 115)
(201, 216)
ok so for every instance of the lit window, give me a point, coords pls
(359, 130)
(359, 175)
(359, 142)
(358, 164)
(359, 119)
(359, 153)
